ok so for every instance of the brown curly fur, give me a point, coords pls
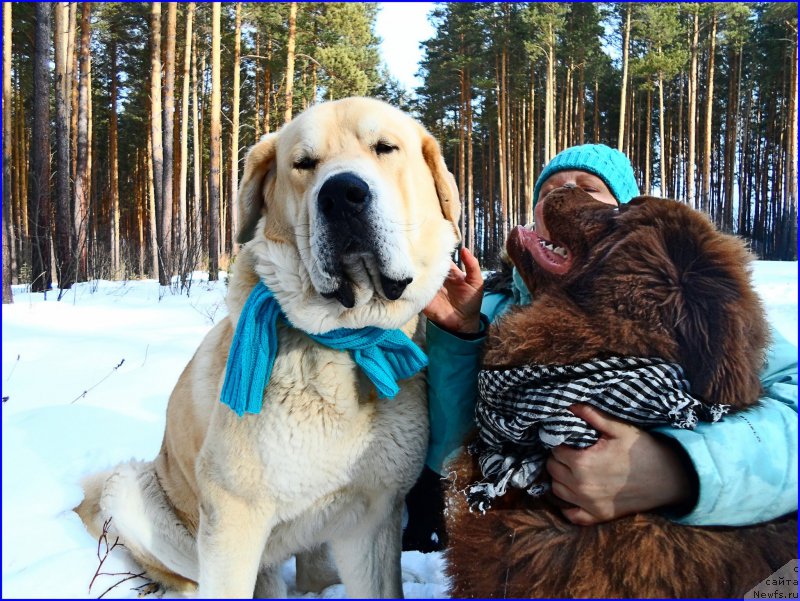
(651, 279)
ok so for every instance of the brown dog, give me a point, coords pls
(652, 278)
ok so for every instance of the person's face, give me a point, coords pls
(591, 184)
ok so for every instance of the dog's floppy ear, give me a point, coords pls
(445, 183)
(720, 323)
(260, 161)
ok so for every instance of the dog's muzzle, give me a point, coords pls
(345, 204)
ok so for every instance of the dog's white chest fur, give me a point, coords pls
(321, 423)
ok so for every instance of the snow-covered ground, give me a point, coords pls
(85, 383)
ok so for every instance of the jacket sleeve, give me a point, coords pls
(453, 365)
(746, 464)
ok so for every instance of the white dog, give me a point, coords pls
(349, 217)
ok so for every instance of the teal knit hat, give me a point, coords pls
(609, 164)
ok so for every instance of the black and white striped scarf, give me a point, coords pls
(523, 412)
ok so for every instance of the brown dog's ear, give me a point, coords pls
(445, 183)
(720, 322)
(259, 162)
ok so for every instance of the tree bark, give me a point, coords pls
(151, 204)
(156, 132)
(41, 277)
(267, 86)
(626, 35)
(470, 192)
(167, 119)
(73, 50)
(662, 140)
(188, 61)
(596, 110)
(82, 173)
(501, 156)
(580, 126)
(116, 259)
(8, 246)
(706, 182)
(257, 84)
(648, 116)
(63, 87)
(287, 115)
(214, 158)
(197, 134)
(234, 180)
(692, 116)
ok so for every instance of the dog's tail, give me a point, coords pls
(128, 503)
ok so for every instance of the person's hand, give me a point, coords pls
(457, 305)
(627, 471)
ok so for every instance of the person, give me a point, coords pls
(742, 470)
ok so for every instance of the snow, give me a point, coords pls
(87, 381)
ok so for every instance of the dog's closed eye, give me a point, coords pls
(306, 163)
(383, 147)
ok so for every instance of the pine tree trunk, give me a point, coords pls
(648, 125)
(41, 276)
(679, 189)
(91, 222)
(551, 82)
(267, 87)
(214, 157)
(83, 173)
(197, 134)
(626, 35)
(731, 125)
(501, 158)
(706, 182)
(188, 61)
(151, 204)
(156, 132)
(462, 148)
(662, 140)
(531, 150)
(581, 98)
(596, 103)
(232, 199)
(167, 120)
(691, 118)
(73, 50)
(257, 95)
(8, 245)
(287, 115)
(116, 262)
(789, 243)
(141, 196)
(63, 87)
(470, 192)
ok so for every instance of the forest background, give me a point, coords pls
(125, 125)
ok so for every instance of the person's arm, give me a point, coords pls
(457, 321)
(453, 364)
(746, 464)
(741, 470)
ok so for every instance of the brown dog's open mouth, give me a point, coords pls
(549, 256)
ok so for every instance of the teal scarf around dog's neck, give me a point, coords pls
(385, 356)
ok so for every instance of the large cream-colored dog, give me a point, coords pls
(349, 216)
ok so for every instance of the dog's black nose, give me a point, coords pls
(343, 195)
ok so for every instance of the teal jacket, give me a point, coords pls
(746, 465)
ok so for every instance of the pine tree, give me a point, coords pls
(7, 221)
(41, 277)
(214, 160)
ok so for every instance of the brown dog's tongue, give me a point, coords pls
(526, 247)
